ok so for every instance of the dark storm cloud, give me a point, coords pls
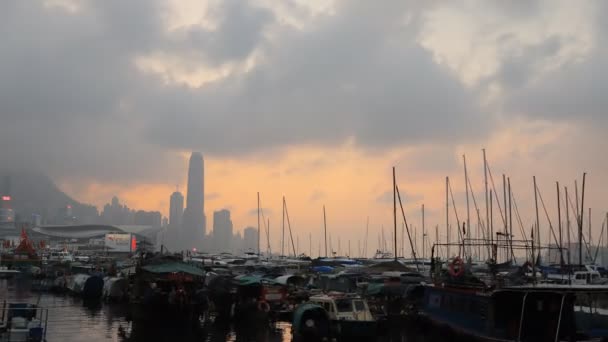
(73, 102)
(365, 78)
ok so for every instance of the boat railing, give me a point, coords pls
(34, 324)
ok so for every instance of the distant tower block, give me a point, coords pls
(193, 226)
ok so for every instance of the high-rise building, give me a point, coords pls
(193, 223)
(222, 230)
(250, 239)
(176, 209)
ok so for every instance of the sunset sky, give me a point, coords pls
(313, 100)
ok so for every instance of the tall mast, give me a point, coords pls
(395, 211)
(485, 177)
(423, 234)
(366, 237)
(325, 229)
(259, 224)
(447, 217)
(286, 213)
(494, 251)
(536, 204)
(580, 224)
(283, 230)
(589, 243)
(510, 220)
(559, 225)
(310, 245)
(504, 200)
(568, 225)
(466, 183)
(268, 238)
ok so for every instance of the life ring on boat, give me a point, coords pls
(263, 306)
(456, 268)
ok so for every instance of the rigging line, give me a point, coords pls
(407, 228)
(600, 241)
(549, 220)
(578, 221)
(289, 226)
(455, 211)
(496, 195)
(479, 222)
(521, 224)
(266, 227)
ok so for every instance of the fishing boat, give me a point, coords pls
(349, 315)
(539, 312)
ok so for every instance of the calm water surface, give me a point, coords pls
(71, 319)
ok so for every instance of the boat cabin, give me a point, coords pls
(541, 312)
(344, 307)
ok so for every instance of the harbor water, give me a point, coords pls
(71, 319)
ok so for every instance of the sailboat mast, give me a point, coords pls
(559, 226)
(510, 220)
(447, 217)
(325, 229)
(395, 211)
(568, 225)
(283, 230)
(259, 224)
(580, 224)
(366, 237)
(466, 186)
(423, 233)
(536, 204)
(485, 172)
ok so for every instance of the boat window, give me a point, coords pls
(344, 305)
(359, 305)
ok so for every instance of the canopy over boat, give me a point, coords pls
(174, 267)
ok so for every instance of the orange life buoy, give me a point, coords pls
(456, 268)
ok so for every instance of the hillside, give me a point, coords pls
(34, 192)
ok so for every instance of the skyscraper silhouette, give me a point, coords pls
(176, 209)
(193, 224)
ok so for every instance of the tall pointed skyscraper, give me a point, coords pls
(193, 227)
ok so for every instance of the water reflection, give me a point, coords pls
(72, 319)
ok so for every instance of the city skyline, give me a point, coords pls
(314, 101)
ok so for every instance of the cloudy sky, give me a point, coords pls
(314, 100)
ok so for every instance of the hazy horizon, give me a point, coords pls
(310, 100)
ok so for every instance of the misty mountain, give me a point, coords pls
(33, 192)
